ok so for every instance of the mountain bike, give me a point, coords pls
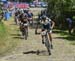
(25, 31)
(46, 41)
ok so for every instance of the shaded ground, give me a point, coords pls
(65, 35)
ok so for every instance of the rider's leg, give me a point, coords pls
(15, 20)
(21, 29)
(36, 28)
(42, 39)
(27, 30)
(50, 38)
(32, 21)
(28, 21)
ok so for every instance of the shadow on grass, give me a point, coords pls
(18, 37)
(69, 38)
(15, 34)
(30, 52)
(65, 35)
(61, 32)
(35, 52)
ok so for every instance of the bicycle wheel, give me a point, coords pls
(47, 44)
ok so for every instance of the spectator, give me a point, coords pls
(70, 22)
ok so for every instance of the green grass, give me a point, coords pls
(3, 37)
(3, 33)
(7, 44)
(2, 29)
(65, 35)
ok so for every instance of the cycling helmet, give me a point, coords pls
(43, 17)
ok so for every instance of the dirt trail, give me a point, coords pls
(62, 50)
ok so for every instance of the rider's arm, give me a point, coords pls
(53, 24)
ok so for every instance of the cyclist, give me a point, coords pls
(24, 23)
(43, 13)
(47, 24)
(30, 17)
(70, 25)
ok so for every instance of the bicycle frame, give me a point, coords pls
(25, 32)
(46, 41)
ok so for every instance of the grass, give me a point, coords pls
(7, 44)
(3, 38)
(65, 35)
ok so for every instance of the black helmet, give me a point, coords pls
(43, 17)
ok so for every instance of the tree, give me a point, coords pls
(55, 6)
(58, 7)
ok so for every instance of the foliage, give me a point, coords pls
(2, 37)
(58, 8)
(6, 42)
(2, 30)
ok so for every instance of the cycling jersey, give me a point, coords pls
(46, 25)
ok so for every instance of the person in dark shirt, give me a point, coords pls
(30, 17)
(70, 22)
